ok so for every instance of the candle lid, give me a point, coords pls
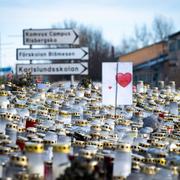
(34, 147)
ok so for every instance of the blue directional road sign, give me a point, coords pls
(6, 69)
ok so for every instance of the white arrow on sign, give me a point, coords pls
(53, 54)
(53, 69)
(50, 36)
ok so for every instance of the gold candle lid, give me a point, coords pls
(123, 147)
(64, 113)
(150, 160)
(95, 135)
(86, 153)
(75, 114)
(97, 144)
(7, 116)
(136, 165)
(99, 156)
(159, 144)
(21, 106)
(87, 112)
(61, 148)
(96, 127)
(124, 122)
(3, 93)
(42, 112)
(108, 145)
(37, 140)
(11, 126)
(31, 130)
(53, 111)
(19, 160)
(145, 145)
(5, 150)
(162, 155)
(41, 128)
(150, 170)
(138, 158)
(34, 147)
(78, 143)
(81, 122)
(49, 142)
(14, 147)
(160, 161)
(21, 129)
(135, 148)
(4, 137)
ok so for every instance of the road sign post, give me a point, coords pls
(53, 69)
(68, 39)
(53, 54)
(30, 61)
(72, 76)
(50, 36)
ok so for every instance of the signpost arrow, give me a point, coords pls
(53, 54)
(53, 69)
(85, 70)
(76, 39)
(50, 36)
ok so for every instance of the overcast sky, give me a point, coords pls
(116, 18)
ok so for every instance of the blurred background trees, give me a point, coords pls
(100, 50)
(143, 36)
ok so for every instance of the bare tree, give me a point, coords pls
(127, 45)
(142, 36)
(99, 48)
(162, 27)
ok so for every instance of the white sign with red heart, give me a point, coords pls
(121, 78)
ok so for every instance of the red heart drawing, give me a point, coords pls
(110, 87)
(123, 79)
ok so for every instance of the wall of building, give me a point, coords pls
(173, 67)
(167, 70)
(151, 75)
(174, 47)
(145, 54)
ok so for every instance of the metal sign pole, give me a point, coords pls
(72, 76)
(116, 91)
(30, 61)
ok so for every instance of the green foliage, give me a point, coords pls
(2, 80)
(86, 82)
(25, 80)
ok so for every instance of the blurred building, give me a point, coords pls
(174, 57)
(159, 61)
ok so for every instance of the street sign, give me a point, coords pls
(53, 69)
(53, 54)
(6, 69)
(50, 36)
